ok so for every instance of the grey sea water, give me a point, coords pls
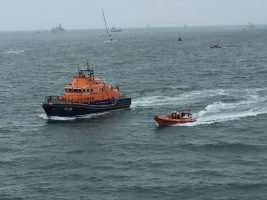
(123, 154)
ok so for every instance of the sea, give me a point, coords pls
(124, 154)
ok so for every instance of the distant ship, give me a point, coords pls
(215, 46)
(114, 29)
(251, 26)
(59, 28)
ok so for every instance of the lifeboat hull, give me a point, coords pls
(79, 109)
(166, 121)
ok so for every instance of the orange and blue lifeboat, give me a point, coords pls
(86, 94)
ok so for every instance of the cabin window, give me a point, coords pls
(75, 90)
(79, 90)
(87, 90)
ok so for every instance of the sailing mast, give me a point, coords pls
(106, 24)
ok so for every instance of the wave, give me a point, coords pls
(196, 97)
(154, 101)
(55, 118)
(14, 51)
(224, 146)
(109, 41)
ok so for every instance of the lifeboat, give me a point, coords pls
(86, 94)
(175, 118)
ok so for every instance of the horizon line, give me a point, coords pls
(139, 27)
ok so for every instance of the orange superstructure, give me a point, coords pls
(85, 87)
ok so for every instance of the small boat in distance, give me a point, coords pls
(175, 118)
(215, 46)
(86, 94)
(114, 29)
(179, 38)
(58, 28)
(251, 26)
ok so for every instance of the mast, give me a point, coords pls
(105, 21)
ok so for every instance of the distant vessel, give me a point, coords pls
(179, 38)
(37, 31)
(108, 35)
(216, 45)
(86, 94)
(114, 29)
(59, 28)
(251, 26)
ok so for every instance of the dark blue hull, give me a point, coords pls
(75, 109)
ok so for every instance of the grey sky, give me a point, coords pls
(86, 14)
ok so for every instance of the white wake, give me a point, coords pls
(55, 118)
(247, 103)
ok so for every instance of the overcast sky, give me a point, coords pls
(86, 14)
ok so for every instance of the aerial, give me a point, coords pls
(133, 99)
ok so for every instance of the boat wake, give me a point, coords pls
(189, 97)
(154, 101)
(55, 118)
(222, 112)
(229, 104)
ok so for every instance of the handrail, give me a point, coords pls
(55, 99)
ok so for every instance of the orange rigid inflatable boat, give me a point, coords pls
(175, 118)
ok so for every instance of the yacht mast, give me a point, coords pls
(105, 22)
